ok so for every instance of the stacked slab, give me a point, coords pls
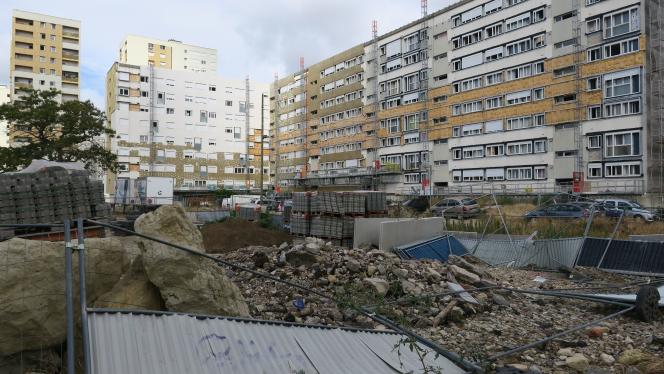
(331, 215)
(50, 195)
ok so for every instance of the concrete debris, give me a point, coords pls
(496, 321)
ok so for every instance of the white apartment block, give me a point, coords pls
(167, 54)
(44, 54)
(191, 126)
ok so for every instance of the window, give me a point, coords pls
(144, 94)
(519, 123)
(161, 98)
(564, 16)
(211, 88)
(626, 169)
(212, 115)
(565, 43)
(622, 83)
(517, 22)
(494, 78)
(622, 144)
(521, 148)
(567, 70)
(474, 129)
(495, 150)
(538, 93)
(456, 132)
(519, 173)
(538, 120)
(593, 84)
(564, 99)
(123, 92)
(517, 97)
(593, 25)
(519, 72)
(594, 170)
(621, 48)
(229, 103)
(471, 107)
(494, 102)
(621, 22)
(594, 54)
(170, 110)
(456, 154)
(540, 172)
(594, 142)
(144, 79)
(539, 146)
(518, 47)
(212, 142)
(473, 175)
(624, 108)
(187, 113)
(594, 112)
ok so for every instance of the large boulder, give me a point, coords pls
(186, 282)
(134, 290)
(32, 287)
(170, 223)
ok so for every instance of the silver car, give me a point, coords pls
(628, 208)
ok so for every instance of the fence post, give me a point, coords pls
(69, 299)
(613, 234)
(80, 235)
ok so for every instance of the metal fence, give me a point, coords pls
(626, 256)
(546, 254)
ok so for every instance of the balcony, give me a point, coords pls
(70, 55)
(69, 77)
(413, 47)
(389, 169)
(70, 34)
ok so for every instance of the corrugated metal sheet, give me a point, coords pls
(547, 254)
(623, 255)
(164, 343)
(433, 249)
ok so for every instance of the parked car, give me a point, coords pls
(461, 207)
(593, 206)
(568, 210)
(617, 207)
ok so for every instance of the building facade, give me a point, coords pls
(198, 128)
(167, 54)
(44, 54)
(507, 95)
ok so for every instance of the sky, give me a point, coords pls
(257, 38)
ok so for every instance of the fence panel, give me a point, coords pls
(623, 256)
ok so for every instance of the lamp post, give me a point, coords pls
(263, 96)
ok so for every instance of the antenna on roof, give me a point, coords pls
(424, 8)
(301, 63)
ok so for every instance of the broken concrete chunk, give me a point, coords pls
(464, 275)
(379, 285)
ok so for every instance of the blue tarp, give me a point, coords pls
(437, 248)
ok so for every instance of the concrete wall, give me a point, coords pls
(396, 233)
(367, 230)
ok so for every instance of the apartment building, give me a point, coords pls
(167, 54)
(44, 54)
(4, 99)
(198, 128)
(518, 95)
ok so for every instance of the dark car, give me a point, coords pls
(560, 211)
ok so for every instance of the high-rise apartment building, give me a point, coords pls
(167, 54)
(198, 128)
(502, 95)
(44, 54)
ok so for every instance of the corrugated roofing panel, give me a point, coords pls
(153, 343)
(438, 248)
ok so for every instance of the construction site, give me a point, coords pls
(480, 190)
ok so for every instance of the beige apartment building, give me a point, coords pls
(167, 54)
(534, 96)
(44, 54)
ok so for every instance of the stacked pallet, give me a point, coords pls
(331, 215)
(50, 195)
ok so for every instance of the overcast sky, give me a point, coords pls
(253, 37)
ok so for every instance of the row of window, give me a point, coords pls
(499, 52)
(407, 161)
(500, 149)
(342, 65)
(355, 95)
(344, 131)
(483, 10)
(355, 146)
(342, 82)
(512, 98)
(410, 122)
(495, 29)
(513, 123)
(517, 72)
(350, 113)
(500, 174)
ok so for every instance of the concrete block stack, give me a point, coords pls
(331, 215)
(50, 195)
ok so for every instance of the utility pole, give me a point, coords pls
(262, 138)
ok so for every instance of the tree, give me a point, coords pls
(50, 130)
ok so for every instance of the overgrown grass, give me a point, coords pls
(556, 228)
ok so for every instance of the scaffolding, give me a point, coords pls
(247, 117)
(578, 117)
(655, 100)
(426, 163)
(376, 127)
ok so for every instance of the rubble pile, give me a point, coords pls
(488, 322)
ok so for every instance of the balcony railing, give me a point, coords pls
(70, 55)
(70, 34)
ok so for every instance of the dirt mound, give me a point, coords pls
(235, 233)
